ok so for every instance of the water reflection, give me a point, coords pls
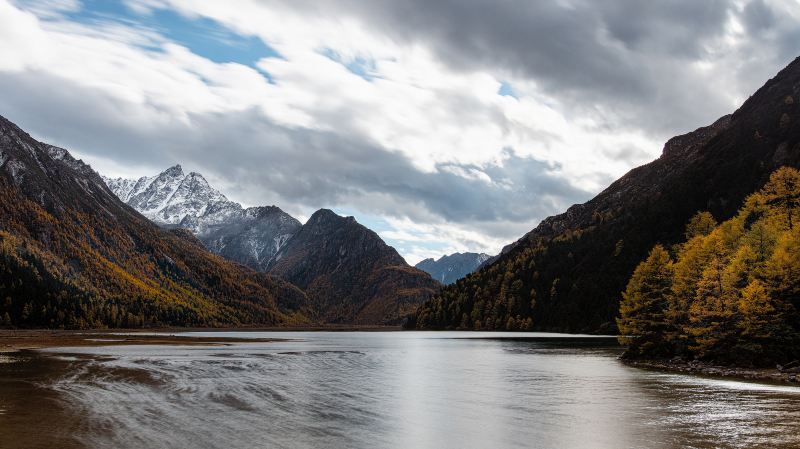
(420, 390)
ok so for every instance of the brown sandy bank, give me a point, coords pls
(16, 340)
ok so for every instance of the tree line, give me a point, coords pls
(730, 293)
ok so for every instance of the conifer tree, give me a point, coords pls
(783, 190)
(782, 272)
(765, 333)
(710, 315)
(693, 256)
(701, 224)
(642, 322)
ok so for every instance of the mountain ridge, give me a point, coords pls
(268, 240)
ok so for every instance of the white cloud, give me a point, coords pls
(426, 143)
(50, 8)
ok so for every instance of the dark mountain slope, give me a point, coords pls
(73, 255)
(349, 274)
(567, 274)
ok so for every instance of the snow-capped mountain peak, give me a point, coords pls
(169, 197)
(173, 198)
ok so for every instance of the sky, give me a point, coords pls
(443, 125)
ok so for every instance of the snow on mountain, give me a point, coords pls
(123, 187)
(172, 198)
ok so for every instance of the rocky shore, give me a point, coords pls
(789, 374)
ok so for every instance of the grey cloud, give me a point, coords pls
(627, 62)
(758, 16)
(79, 117)
(628, 153)
(290, 167)
(319, 169)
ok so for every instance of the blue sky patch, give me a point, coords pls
(209, 39)
(363, 67)
(506, 90)
(204, 37)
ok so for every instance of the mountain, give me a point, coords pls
(73, 255)
(568, 272)
(453, 267)
(250, 236)
(171, 196)
(349, 274)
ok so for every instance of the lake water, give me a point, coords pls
(381, 390)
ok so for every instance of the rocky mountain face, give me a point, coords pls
(250, 236)
(349, 274)
(73, 255)
(567, 273)
(450, 268)
(254, 237)
(171, 196)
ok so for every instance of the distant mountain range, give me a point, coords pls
(568, 272)
(448, 269)
(349, 274)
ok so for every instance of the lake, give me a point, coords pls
(380, 390)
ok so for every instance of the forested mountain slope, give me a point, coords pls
(567, 274)
(73, 255)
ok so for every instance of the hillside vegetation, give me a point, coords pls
(730, 293)
(73, 256)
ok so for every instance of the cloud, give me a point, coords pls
(50, 8)
(642, 65)
(460, 126)
(312, 168)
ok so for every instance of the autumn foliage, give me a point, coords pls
(79, 271)
(730, 293)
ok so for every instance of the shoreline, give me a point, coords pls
(14, 341)
(307, 328)
(769, 375)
